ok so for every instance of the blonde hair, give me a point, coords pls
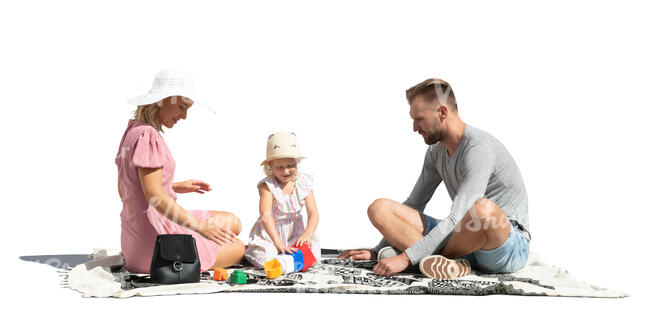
(433, 91)
(268, 169)
(148, 113)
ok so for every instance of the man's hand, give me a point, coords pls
(391, 265)
(189, 186)
(359, 254)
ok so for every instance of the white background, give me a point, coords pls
(562, 85)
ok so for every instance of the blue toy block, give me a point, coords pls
(298, 261)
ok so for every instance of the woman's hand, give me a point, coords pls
(305, 238)
(196, 186)
(217, 229)
(282, 249)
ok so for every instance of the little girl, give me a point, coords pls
(283, 193)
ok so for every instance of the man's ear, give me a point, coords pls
(443, 112)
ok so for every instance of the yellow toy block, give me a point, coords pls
(273, 268)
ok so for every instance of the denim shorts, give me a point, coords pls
(507, 258)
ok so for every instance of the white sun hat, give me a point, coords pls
(168, 83)
(282, 145)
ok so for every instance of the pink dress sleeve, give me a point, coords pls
(150, 151)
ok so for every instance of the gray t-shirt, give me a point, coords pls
(481, 167)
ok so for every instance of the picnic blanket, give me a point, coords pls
(104, 276)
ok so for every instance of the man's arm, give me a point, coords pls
(426, 184)
(476, 166)
(423, 190)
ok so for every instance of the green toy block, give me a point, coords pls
(238, 277)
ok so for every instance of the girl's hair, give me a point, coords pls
(148, 113)
(268, 169)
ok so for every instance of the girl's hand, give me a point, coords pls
(304, 239)
(282, 249)
(196, 186)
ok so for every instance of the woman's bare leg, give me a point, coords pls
(229, 254)
(230, 219)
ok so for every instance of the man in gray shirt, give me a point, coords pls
(487, 228)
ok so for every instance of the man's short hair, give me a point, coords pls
(434, 91)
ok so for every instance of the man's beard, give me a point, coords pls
(434, 137)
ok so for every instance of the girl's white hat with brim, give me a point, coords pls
(282, 145)
(168, 83)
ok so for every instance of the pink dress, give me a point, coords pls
(142, 146)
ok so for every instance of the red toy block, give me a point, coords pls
(220, 274)
(307, 256)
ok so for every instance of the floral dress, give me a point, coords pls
(289, 224)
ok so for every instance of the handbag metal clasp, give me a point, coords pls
(177, 266)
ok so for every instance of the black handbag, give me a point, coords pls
(175, 260)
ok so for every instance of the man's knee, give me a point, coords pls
(483, 207)
(378, 209)
(485, 215)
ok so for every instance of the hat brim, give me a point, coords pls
(150, 98)
(281, 156)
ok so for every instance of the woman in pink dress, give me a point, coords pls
(145, 184)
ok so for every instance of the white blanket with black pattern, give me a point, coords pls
(105, 276)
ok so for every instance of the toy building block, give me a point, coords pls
(238, 277)
(298, 262)
(286, 260)
(273, 268)
(308, 257)
(220, 274)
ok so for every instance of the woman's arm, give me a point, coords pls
(266, 204)
(151, 181)
(118, 188)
